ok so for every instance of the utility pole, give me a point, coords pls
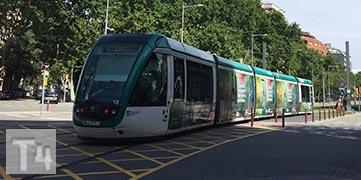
(348, 92)
(264, 55)
(106, 18)
(323, 87)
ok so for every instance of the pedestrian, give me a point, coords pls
(338, 105)
(344, 102)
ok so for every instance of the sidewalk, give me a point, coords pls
(348, 120)
(35, 116)
(29, 110)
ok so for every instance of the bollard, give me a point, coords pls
(252, 116)
(343, 112)
(333, 113)
(313, 115)
(324, 114)
(319, 114)
(283, 117)
(305, 116)
(47, 105)
(329, 113)
(336, 112)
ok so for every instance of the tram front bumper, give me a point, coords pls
(99, 133)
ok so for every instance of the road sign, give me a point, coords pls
(342, 92)
(342, 84)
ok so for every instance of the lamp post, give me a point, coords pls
(183, 8)
(106, 20)
(323, 87)
(328, 69)
(254, 35)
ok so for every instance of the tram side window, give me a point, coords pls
(200, 82)
(179, 78)
(151, 88)
(305, 93)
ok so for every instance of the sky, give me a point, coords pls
(334, 22)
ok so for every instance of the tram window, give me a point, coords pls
(151, 88)
(305, 90)
(200, 82)
(206, 82)
(106, 72)
(178, 78)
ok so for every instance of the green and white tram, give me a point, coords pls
(143, 85)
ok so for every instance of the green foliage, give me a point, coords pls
(60, 33)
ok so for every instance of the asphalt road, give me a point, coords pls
(303, 152)
(326, 149)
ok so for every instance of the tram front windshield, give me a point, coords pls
(106, 72)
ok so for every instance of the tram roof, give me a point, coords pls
(304, 81)
(263, 72)
(157, 40)
(233, 64)
(127, 38)
(166, 42)
(284, 77)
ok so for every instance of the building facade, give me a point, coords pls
(340, 56)
(270, 7)
(313, 43)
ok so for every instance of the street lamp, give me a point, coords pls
(106, 19)
(183, 8)
(328, 68)
(254, 35)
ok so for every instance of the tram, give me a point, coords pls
(144, 85)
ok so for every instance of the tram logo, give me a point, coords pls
(91, 123)
(165, 114)
(132, 113)
(92, 108)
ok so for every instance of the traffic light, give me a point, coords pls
(46, 81)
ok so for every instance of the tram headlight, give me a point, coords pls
(79, 110)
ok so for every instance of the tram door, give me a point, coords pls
(177, 104)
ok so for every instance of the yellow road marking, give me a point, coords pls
(115, 160)
(131, 159)
(97, 173)
(80, 174)
(73, 175)
(181, 149)
(143, 156)
(147, 150)
(191, 154)
(92, 155)
(166, 157)
(206, 136)
(162, 143)
(2, 132)
(184, 144)
(139, 170)
(210, 135)
(164, 149)
(4, 175)
(61, 129)
(68, 155)
(52, 176)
